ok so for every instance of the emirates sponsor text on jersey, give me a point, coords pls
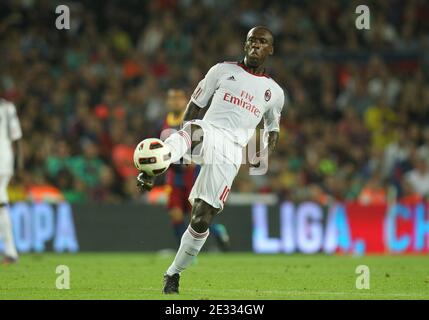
(241, 102)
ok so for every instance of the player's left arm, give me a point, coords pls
(268, 150)
(272, 122)
(272, 127)
(273, 138)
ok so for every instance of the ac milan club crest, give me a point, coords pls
(268, 95)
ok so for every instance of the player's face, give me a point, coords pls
(258, 46)
(176, 100)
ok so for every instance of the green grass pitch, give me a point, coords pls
(216, 276)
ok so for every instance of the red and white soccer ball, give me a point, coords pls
(152, 156)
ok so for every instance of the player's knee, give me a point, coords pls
(200, 221)
(202, 216)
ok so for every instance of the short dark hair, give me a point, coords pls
(264, 28)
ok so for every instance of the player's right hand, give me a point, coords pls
(145, 182)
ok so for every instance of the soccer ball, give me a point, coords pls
(152, 156)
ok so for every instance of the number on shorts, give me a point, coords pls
(224, 194)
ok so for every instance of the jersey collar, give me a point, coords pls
(247, 69)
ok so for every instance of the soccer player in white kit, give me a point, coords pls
(10, 133)
(241, 95)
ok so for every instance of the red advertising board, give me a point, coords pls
(344, 228)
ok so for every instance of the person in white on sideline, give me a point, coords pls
(10, 134)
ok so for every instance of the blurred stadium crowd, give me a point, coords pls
(356, 128)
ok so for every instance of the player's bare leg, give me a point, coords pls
(218, 230)
(197, 232)
(192, 241)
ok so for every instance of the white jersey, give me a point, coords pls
(10, 130)
(240, 100)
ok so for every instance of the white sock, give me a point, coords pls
(190, 246)
(179, 143)
(6, 233)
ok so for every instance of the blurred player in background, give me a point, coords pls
(10, 133)
(180, 178)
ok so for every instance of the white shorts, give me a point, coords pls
(220, 160)
(4, 181)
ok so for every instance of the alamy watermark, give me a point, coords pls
(215, 146)
(63, 20)
(362, 280)
(363, 20)
(63, 280)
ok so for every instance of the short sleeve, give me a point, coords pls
(273, 114)
(206, 87)
(14, 127)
